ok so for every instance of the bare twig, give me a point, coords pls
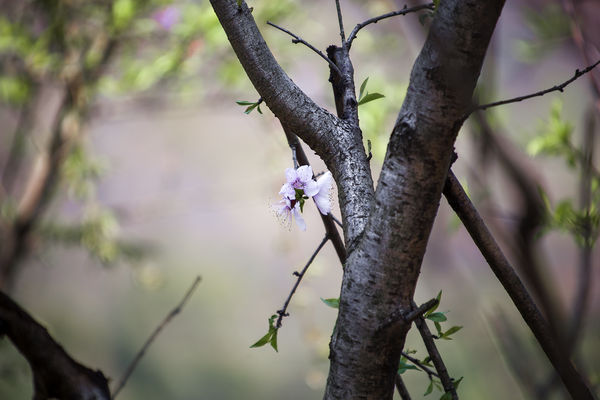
(282, 313)
(339, 14)
(414, 314)
(486, 243)
(418, 363)
(402, 390)
(436, 358)
(374, 20)
(298, 39)
(559, 88)
(152, 337)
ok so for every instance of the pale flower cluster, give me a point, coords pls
(301, 186)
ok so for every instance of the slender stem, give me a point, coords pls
(402, 390)
(410, 317)
(418, 364)
(282, 313)
(150, 340)
(436, 358)
(559, 88)
(374, 20)
(298, 39)
(460, 203)
(339, 14)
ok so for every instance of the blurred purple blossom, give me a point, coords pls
(167, 17)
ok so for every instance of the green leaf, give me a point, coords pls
(362, 89)
(456, 383)
(451, 331)
(263, 340)
(274, 340)
(403, 367)
(370, 97)
(249, 109)
(429, 388)
(432, 309)
(446, 396)
(239, 3)
(333, 303)
(244, 103)
(426, 362)
(438, 327)
(437, 317)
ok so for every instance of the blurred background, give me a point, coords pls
(128, 170)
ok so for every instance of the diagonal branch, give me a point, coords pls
(150, 340)
(298, 39)
(375, 20)
(460, 203)
(559, 88)
(282, 313)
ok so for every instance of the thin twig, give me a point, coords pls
(461, 204)
(337, 221)
(298, 39)
(559, 88)
(435, 356)
(150, 340)
(418, 364)
(414, 314)
(402, 390)
(374, 20)
(339, 14)
(282, 313)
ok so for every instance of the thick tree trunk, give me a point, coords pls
(386, 232)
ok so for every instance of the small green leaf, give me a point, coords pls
(438, 327)
(370, 97)
(432, 309)
(426, 362)
(263, 340)
(239, 3)
(403, 367)
(259, 111)
(429, 388)
(362, 89)
(333, 303)
(446, 396)
(437, 317)
(451, 331)
(244, 103)
(274, 340)
(456, 383)
(249, 109)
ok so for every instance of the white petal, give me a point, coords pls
(323, 202)
(287, 190)
(311, 188)
(324, 181)
(290, 175)
(299, 221)
(305, 173)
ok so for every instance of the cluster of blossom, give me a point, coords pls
(301, 186)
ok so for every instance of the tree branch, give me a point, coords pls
(559, 88)
(486, 243)
(436, 358)
(375, 20)
(153, 336)
(55, 373)
(282, 313)
(298, 39)
(402, 390)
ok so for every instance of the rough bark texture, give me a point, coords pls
(381, 274)
(386, 233)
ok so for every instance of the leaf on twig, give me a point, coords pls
(368, 97)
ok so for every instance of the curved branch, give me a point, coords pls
(375, 20)
(55, 373)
